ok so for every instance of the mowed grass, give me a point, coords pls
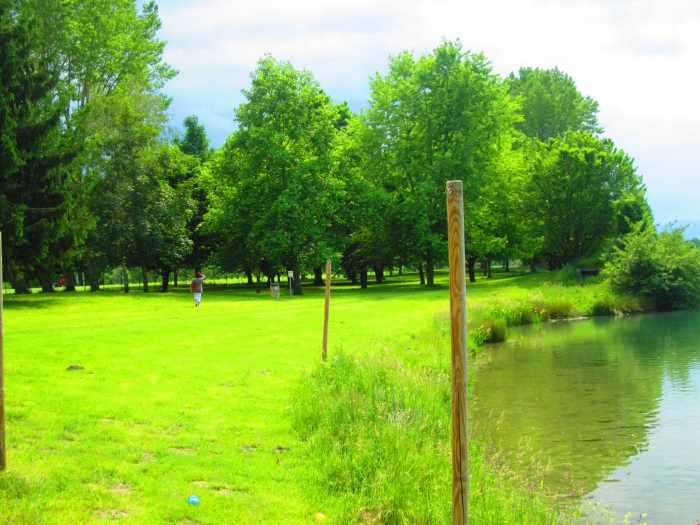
(175, 400)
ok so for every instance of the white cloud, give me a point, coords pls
(638, 58)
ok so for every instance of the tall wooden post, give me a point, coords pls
(327, 311)
(3, 450)
(458, 321)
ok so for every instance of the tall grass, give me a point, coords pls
(378, 433)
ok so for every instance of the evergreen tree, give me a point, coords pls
(32, 183)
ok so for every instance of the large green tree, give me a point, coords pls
(32, 181)
(440, 117)
(142, 217)
(579, 194)
(96, 47)
(278, 193)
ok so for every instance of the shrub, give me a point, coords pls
(664, 268)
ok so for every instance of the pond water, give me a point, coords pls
(613, 403)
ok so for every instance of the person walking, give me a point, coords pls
(196, 287)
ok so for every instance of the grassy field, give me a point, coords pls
(174, 400)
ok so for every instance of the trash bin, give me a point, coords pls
(275, 290)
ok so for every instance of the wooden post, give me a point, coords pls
(458, 321)
(3, 450)
(327, 311)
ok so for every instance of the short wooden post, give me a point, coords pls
(3, 450)
(458, 321)
(327, 311)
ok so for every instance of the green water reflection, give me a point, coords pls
(590, 393)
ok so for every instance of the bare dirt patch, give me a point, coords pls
(120, 488)
(182, 450)
(371, 515)
(114, 514)
(200, 483)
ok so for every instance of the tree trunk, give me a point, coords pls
(93, 276)
(20, 286)
(166, 279)
(507, 265)
(363, 279)
(484, 267)
(471, 263)
(488, 268)
(420, 272)
(400, 269)
(144, 274)
(125, 277)
(249, 275)
(533, 266)
(391, 271)
(69, 276)
(430, 270)
(318, 276)
(45, 279)
(296, 285)
(379, 274)
(175, 278)
(257, 279)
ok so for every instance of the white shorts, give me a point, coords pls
(197, 297)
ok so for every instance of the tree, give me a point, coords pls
(278, 193)
(572, 198)
(96, 46)
(194, 141)
(32, 183)
(142, 217)
(551, 104)
(444, 116)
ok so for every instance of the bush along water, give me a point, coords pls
(378, 435)
(663, 268)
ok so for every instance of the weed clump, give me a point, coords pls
(497, 330)
(14, 485)
(555, 310)
(617, 305)
(602, 307)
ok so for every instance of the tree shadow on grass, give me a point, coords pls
(27, 302)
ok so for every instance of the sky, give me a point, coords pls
(638, 58)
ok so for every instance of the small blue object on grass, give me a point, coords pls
(193, 499)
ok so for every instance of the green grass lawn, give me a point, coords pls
(175, 400)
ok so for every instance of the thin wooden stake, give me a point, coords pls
(3, 450)
(458, 321)
(327, 310)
